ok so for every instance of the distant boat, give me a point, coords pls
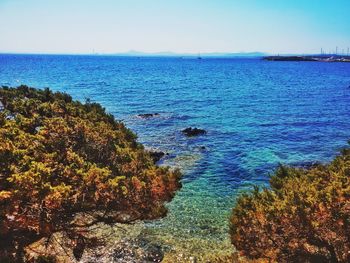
(199, 56)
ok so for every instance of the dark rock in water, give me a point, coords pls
(156, 155)
(193, 132)
(148, 115)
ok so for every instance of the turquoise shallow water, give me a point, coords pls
(257, 114)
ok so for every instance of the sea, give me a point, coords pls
(258, 114)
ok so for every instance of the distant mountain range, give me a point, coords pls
(173, 54)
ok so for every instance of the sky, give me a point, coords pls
(181, 26)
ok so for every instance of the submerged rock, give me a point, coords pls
(118, 243)
(306, 164)
(154, 253)
(193, 131)
(148, 115)
(137, 251)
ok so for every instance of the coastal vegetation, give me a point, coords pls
(63, 161)
(303, 217)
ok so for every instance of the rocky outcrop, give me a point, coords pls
(156, 155)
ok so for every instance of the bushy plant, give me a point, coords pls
(303, 217)
(60, 158)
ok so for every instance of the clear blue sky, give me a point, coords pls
(111, 26)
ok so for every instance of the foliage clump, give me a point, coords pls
(59, 158)
(303, 217)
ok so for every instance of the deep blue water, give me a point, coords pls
(257, 114)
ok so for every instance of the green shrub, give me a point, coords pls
(60, 157)
(303, 217)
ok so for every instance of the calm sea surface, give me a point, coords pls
(257, 114)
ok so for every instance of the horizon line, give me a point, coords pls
(134, 53)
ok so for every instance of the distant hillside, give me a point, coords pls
(173, 54)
